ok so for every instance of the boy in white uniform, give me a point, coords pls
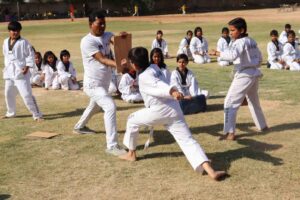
(162, 109)
(199, 47)
(160, 43)
(291, 53)
(246, 57)
(18, 58)
(274, 50)
(283, 35)
(95, 50)
(184, 46)
(222, 45)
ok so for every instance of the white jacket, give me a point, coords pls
(273, 54)
(290, 53)
(197, 46)
(163, 47)
(61, 70)
(50, 74)
(283, 37)
(126, 85)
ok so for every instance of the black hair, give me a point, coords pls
(182, 56)
(225, 29)
(139, 56)
(40, 57)
(239, 23)
(291, 32)
(45, 60)
(189, 31)
(14, 26)
(161, 64)
(274, 32)
(288, 26)
(98, 14)
(159, 32)
(197, 29)
(64, 52)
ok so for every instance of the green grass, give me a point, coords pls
(262, 166)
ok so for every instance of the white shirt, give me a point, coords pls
(222, 44)
(274, 55)
(96, 74)
(35, 70)
(126, 85)
(197, 46)
(290, 53)
(50, 74)
(20, 56)
(163, 47)
(183, 46)
(283, 37)
(61, 69)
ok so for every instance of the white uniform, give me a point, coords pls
(162, 109)
(196, 46)
(291, 53)
(184, 48)
(163, 46)
(274, 55)
(283, 37)
(222, 45)
(15, 60)
(64, 77)
(246, 58)
(36, 75)
(129, 92)
(96, 81)
(51, 77)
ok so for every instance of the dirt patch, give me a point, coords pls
(5, 138)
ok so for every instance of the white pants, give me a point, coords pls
(222, 63)
(201, 59)
(67, 83)
(99, 98)
(294, 66)
(243, 86)
(174, 121)
(23, 86)
(275, 65)
(52, 81)
(134, 97)
(37, 80)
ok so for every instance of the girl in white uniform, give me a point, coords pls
(18, 58)
(283, 35)
(222, 45)
(199, 47)
(184, 46)
(37, 76)
(50, 71)
(291, 53)
(246, 57)
(160, 43)
(274, 50)
(66, 72)
(157, 58)
(162, 109)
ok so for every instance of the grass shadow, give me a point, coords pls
(161, 154)
(4, 196)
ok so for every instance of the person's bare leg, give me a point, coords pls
(130, 156)
(216, 175)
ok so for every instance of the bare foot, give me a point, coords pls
(130, 156)
(228, 136)
(219, 175)
(39, 119)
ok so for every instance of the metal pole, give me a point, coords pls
(101, 4)
(18, 10)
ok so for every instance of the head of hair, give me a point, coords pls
(288, 26)
(98, 14)
(63, 53)
(161, 64)
(159, 32)
(46, 55)
(189, 32)
(274, 33)
(240, 24)
(38, 54)
(139, 56)
(197, 29)
(291, 32)
(182, 56)
(14, 26)
(225, 30)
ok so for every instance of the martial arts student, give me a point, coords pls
(291, 53)
(275, 51)
(37, 77)
(95, 50)
(246, 57)
(129, 87)
(199, 47)
(283, 35)
(162, 108)
(66, 72)
(194, 100)
(18, 58)
(184, 46)
(223, 44)
(50, 71)
(156, 57)
(159, 42)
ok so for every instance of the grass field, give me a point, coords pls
(261, 165)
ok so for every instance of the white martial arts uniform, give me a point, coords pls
(64, 77)
(184, 48)
(283, 37)
(51, 77)
(36, 75)
(274, 55)
(129, 92)
(222, 45)
(196, 46)
(162, 109)
(290, 53)
(97, 77)
(15, 59)
(246, 58)
(163, 46)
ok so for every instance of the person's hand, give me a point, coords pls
(213, 52)
(123, 34)
(281, 62)
(176, 95)
(25, 70)
(124, 62)
(188, 97)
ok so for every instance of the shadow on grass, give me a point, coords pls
(216, 97)
(214, 107)
(160, 155)
(4, 196)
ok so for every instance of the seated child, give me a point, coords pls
(160, 43)
(50, 71)
(184, 46)
(199, 47)
(185, 81)
(283, 35)
(291, 53)
(274, 49)
(223, 44)
(37, 76)
(156, 57)
(162, 108)
(66, 72)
